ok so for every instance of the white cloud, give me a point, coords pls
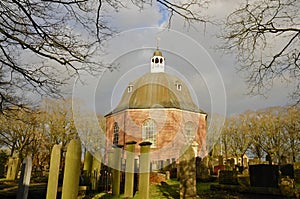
(133, 47)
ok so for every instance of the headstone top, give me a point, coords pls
(131, 142)
(145, 143)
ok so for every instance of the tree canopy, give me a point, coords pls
(266, 36)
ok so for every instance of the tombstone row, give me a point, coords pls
(187, 171)
(91, 171)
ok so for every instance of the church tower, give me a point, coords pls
(157, 107)
(157, 62)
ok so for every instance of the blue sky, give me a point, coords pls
(164, 14)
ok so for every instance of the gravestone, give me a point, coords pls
(202, 170)
(72, 170)
(24, 181)
(221, 160)
(232, 163)
(187, 169)
(263, 175)
(95, 176)
(287, 170)
(116, 170)
(12, 168)
(228, 177)
(3, 162)
(218, 168)
(297, 172)
(53, 172)
(87, 167)
(129, 175)
(144, 176)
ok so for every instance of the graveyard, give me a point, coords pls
(88, 178)
(153, 144)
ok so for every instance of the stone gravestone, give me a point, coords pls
(12, 169)
(228, 177)
(87, 168)
(187, 169)
(95, 176)
(297, 172)
(24, 181)
(287, 170)
(144, 175)
(72, 170)
(263, 175)
(53, 172)
(116, 170)
(129, 175)
(202, 170)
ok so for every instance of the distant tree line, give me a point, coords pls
(271, 134)
(35, 132)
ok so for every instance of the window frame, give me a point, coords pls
(149, 132)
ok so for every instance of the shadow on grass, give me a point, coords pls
(169, 189)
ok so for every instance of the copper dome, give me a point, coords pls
(157, 90)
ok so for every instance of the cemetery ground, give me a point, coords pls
(170, 190)
(163, 190)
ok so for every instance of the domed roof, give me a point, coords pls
(157, 53)
(157, 90)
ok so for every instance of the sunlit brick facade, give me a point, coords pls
(158, 108)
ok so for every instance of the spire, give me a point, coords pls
(157, 42)
(157, 60)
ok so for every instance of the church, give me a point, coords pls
(158, 108)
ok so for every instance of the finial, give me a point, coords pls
(157, 42)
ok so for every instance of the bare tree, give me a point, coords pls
(18, 131)
(291, 124)
(266, 36)
(237, 136)
(45, 43)
(56, 121)
(270, 134)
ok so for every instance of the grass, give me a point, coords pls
(167, 190)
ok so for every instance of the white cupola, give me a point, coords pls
(157, 62)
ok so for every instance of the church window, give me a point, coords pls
(152, 60)
(149, 132)
(116, 133)
(189, 129)
(161, 60)
(178, 86)
(129, 89)
(156, 60)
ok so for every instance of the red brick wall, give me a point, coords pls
(170, 128)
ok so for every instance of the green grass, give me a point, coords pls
(167, 190)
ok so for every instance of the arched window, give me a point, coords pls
(189, 129)
(116, 133)
(161, 60)
(156, 60)
(149, 132)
